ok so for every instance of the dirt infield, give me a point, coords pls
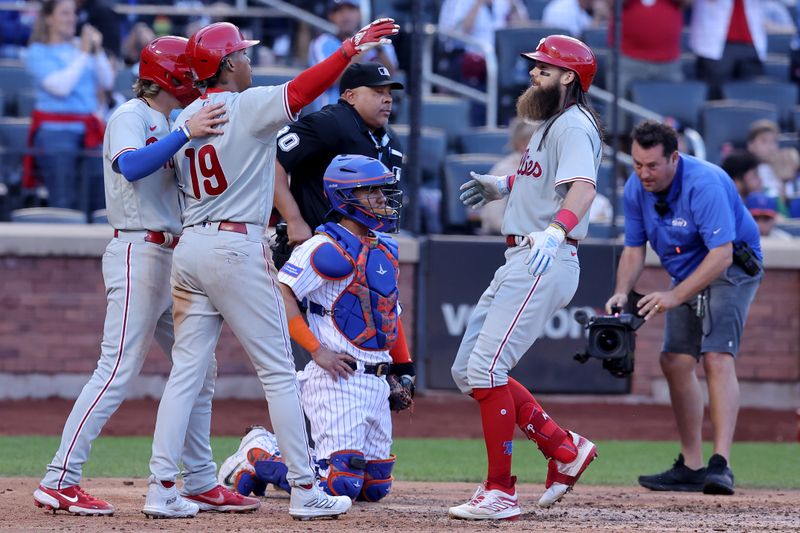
(423, 507)
(434, 415)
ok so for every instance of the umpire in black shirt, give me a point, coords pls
(357, 124)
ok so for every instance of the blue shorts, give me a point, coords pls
(727, 302)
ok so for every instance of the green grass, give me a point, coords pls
(768, 465)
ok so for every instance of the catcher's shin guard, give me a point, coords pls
(345, 473)
(271, 469)
(377, 479)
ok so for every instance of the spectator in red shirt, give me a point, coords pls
(650, 44)
(729, 39)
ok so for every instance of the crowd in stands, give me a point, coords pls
(80, 57)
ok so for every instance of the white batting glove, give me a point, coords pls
(482, 189)
(544, 245)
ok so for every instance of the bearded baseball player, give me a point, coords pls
(143, 207)
(222, 268)
(547, 214)
(361, 365)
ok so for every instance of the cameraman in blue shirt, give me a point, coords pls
(690, 213)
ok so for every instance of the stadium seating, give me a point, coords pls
(13, 80)
(727, 121)
(273, 76)
(779, 43)
(680, 100)
(485, 140)
(781, 94)
(123, 83)
(432, 146)
(100, 216)
(535, 8)
(49, 215)
(26, 100)
(796, 118)
(794, 208)
(456, 171)
(448, 113)
(605, 179)
(601, 231)
(13, 142)
(777, 68)
(596, 37)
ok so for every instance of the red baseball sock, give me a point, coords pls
(498, 418)
(553, 441)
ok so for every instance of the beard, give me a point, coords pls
(539, 104)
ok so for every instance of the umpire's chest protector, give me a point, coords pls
(366, 310)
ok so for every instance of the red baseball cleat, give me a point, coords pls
(73, 500)
(223, 500)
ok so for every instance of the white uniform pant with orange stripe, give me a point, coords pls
(511, 315)
(139, 307)
(223, 275)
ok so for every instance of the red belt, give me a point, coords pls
(158, 237)
(236, 227)
(511, 240)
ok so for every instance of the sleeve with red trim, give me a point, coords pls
(576, 157)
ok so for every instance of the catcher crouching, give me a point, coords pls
(361, 368)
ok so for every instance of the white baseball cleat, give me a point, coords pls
(562, 476)
(490, 504)
(163, 502)
(309, 503)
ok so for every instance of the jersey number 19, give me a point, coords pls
(214, 182)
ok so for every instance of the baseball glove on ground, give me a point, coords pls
(401, 392)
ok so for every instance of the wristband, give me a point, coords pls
(298, 330)
(510, 181)
(186, 132)
(567, 220)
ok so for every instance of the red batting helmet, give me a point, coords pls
(164, 62)
(569, 53)
(207, 46)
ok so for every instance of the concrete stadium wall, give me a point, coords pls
(52, 304)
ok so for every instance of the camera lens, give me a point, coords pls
(608, 340)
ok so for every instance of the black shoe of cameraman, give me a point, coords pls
(719, 478)
(679, 478)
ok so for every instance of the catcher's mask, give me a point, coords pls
(362, 189)
(164, 61)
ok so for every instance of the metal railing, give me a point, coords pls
(429, 77)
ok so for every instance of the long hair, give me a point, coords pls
(576, 95)
(40, 33)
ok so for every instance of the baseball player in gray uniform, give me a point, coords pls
(222, 268)
(143, 207)
(547, 214)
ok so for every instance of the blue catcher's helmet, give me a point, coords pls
(378, 212)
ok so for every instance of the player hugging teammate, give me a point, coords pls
(361, 365)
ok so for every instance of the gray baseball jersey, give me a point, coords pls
(232, 176)
(513, 310)
(571, 152)
(137, 280)
(151, 203)
(224, 272)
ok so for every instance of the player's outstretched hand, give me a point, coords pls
(204, 121)
(334, 363)
(482, 189)
(374, 34)
(544, 245)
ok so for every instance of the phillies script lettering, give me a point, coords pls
(528, 167)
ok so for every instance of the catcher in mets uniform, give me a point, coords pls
(546, 216)
(143, 207)
(361, 367)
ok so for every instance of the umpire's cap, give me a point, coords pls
(569, 53)
(367, 75)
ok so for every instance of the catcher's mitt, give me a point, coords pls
(401, 392)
